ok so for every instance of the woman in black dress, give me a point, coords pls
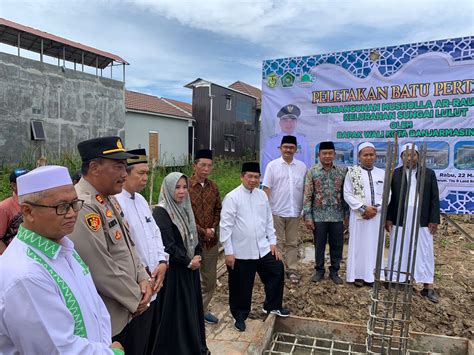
(181, 330)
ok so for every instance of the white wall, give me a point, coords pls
(172, 136)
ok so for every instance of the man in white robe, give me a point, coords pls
(429, 220)
(363, 190)
(48, 301)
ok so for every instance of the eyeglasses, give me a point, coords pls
(62, 208)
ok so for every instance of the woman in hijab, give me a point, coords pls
(181, 329)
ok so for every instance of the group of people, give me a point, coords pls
(93, 269)
(330, 197)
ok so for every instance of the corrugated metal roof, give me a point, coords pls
(30, 39)
(149, 103)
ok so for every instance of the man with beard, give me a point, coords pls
(363, 191)
(102, 238)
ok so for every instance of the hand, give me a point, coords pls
(388, 226)
(370, 212)
(146, 296)
(158, 276)
(230, 261)
(346, 222)
(117, 345)
(275, 252)
(433, 227)
(196, 262)
(209, 234)
(309, 224)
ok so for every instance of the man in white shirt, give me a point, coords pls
(363, 192)
(48, 301)
(249, 241)
(143, 229)
(283, 183)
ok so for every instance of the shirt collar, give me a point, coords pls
(193, 180)
(282, 161)
(128, 194)
(366, 169)
(46, 246)
(319, 166)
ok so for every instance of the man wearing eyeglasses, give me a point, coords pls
(48, 301)
(10, 216)
(101, 236)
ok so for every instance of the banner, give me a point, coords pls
(424, 92)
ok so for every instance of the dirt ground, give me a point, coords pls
(454, 281)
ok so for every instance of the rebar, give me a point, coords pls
(390, 311)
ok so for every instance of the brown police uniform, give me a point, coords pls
(102, 239)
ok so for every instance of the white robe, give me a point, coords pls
(424, 264)
(363, 234)
(34, 318)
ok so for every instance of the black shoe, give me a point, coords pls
(317, 276)
(430, 294)
(359, 283)
(336, 279)
(239, 325)
(369, 284)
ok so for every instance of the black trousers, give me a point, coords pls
(334, 233)
(241, 279)
(137, 337)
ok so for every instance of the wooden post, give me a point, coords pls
(153, 157)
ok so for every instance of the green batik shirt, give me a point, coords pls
(323, 194)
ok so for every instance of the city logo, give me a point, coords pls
(272, 80)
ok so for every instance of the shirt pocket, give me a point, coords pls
(116, 242)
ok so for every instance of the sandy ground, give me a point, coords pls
(454, 281)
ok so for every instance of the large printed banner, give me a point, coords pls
(424, 92)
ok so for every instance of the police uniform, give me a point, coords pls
(102, 238)
(271, 149)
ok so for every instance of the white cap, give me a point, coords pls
(408, 145)
(365, 145)
(43, 178)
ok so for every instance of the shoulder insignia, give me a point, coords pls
(109, 213)
(93, 221)
(99, 199)
(118, 235)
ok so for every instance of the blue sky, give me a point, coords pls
(169, 43)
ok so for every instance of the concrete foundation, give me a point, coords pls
(73, 106)
(339, 334)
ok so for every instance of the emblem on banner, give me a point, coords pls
(306, 80)
(93, 221)
(288, 80)
(272, 80)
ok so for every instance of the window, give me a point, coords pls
(229, 143)
(228, 102)
(37, 130)
(244, 111)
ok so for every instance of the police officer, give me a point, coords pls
(287, 116)
(101, 236)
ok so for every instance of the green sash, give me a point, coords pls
(51, 249)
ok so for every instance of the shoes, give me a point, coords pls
(430, 294)
(209, 318)
(282, 312)
(359, 283)
(336, 279)
(239, 325)
(368, 284)
(317, 277)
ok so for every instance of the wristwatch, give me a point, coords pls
(362, 209)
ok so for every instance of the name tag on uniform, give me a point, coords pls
(112, 223)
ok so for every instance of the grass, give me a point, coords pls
(226, 174)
